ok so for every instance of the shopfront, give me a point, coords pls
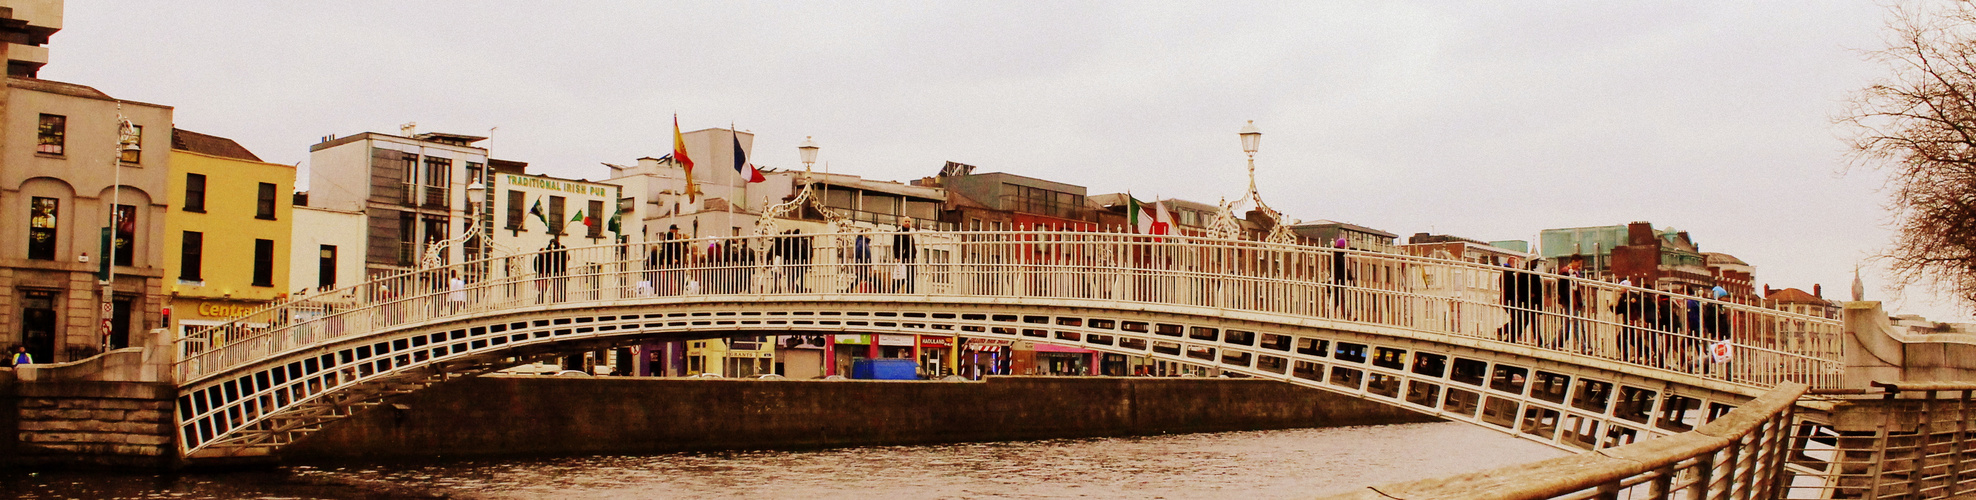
(799, 356)
(895, 346)
(982, 357)
(846, 349)
(935, 356)
(1064, 361)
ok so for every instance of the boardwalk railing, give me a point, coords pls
(1755, 347)
(1914, 441)
(1740, 456)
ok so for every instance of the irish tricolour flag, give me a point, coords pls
(1147, 220)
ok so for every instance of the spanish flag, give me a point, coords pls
(679, 158)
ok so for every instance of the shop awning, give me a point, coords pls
(987, 344)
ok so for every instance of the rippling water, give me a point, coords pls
(1249, 465)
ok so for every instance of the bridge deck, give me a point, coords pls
(1568, 320)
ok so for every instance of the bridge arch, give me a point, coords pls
(252, 387)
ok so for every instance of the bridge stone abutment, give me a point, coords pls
(526, 415)
(113, 410)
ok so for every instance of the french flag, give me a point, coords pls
(741, 165)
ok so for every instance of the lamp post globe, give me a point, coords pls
(1251, 138)
(808, 151)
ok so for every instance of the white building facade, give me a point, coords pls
(411, 190)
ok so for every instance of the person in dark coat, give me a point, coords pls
(1341, 277)
(904, 252)
(796, 260)
(860, 262)
(1519, 288)
(1631, 311)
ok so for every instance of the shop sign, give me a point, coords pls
(851, 339)
(936, 341)
(1025, 345)
(895, 340)
(215, 309)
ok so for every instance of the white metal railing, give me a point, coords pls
(1643, 327)
(1739, 456)
(1913, 441)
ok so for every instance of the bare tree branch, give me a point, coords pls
(1919, 124)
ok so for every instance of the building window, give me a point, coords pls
(408, 166)
(594, 218)
(438, 176)
(264, 208)
(53, 134)
(190, 249)
(41, 228)
(263, 263)
(136, 139)
(126, 234)
(555, 215)
(435, 234)
(326, 268)
(476, 172)
(195, 193)
(516, 212)
(407, 237)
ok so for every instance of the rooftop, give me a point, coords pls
(186, 140)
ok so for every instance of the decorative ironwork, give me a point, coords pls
(1227, 225)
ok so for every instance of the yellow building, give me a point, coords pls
(733, 358)
(226, 230)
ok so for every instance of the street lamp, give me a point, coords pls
(808, 151)
(474, 192)
(1251, 137)
(1252, 140)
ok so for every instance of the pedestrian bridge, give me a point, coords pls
(1574, 363)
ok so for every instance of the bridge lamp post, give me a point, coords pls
(1251, 139)
(480, 206)
(808, 151)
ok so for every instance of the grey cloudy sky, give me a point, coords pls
(1488, 120)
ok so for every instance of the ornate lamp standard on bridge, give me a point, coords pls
(766, 226)
(1226, 224)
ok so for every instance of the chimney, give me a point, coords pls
(1766, 290)
(1639, 233)
(1817, 291)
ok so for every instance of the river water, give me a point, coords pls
(1297, 463)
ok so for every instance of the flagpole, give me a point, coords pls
(731, 139)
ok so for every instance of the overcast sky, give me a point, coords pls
(1476, 119)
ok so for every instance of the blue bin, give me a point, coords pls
(885, 369)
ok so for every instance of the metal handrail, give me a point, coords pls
(1914, 440)
(1430, 296)
(1740, 455)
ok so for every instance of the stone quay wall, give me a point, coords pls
(87, 424)
(516, 415)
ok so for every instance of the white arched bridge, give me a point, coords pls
(1575, 363)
